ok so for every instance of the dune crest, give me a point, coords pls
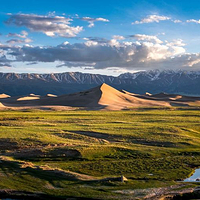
(3, 96)
(116, 100)
(51, 95)
(30, 97)
(148, 94)
(129, 93)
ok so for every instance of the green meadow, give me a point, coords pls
(151, 147)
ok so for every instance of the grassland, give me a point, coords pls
(151, 147)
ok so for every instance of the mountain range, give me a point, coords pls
(154, 81)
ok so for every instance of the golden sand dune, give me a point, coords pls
(34, 95)
(1, 105)
(177, 97)
(174, 97)
(3, 96)
(115, 100)
(148, 94)
(51, 95)
(101, 97)
(29, 97)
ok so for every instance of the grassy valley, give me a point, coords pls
(84, 153)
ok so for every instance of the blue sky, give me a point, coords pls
(107, 37)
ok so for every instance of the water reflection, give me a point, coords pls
(195, 177)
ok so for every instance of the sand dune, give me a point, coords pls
(1, 105)
(3, 96)
(51, 95)
(175, 97)
(115, 100)
(28, 98)
(103, 97)
(148, 94)
(34, 95)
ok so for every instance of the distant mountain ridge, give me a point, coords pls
(154, 81)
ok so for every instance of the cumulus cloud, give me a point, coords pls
(23, 34)
(143, 37)
(177, 21)
(4, 62)
(91, 21)
(152, 18)
(96, 39)
(18, 41)
(5, 65)
(48, 24)
(118, 37)
(137, 55)
(177, 42)
(193, 21)
(158, 18)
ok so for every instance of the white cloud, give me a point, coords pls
(177, 21)
(193, 21)
(96, 39)
(143, 37)
(118, 37)
(97, 53)
(91, 43)
(14, 41)
(138, 55)
(91, 21)
(48, 24)
(152, 18)
(23, 34)
(177, 42)
(101, 19)
(114, 43)
(193, 62)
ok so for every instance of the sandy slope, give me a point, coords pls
(101, 97)
(116, 100)
(2, 106)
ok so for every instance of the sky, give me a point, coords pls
(102, 37)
